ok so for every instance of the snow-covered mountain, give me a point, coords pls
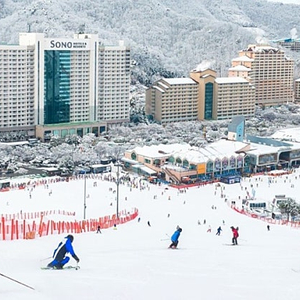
(167, 37)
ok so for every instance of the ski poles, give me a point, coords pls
(16, 281)
(167, 238)
(46, 258)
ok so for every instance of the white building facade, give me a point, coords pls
(60, 86)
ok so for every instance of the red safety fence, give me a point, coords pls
(35, 215)
(266, 219)
(15, 229)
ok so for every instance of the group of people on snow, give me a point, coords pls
(176, 234)
(65, 246)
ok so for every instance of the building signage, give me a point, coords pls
(67, 44)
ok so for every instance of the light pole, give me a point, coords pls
(118, 176)
(84, 197)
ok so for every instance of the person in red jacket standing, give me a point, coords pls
(235, 233)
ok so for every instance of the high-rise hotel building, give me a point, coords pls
(269, 70)
(203, 96)
(63, 86)
(171, 100)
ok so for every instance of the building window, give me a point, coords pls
(208, 101)
(57, 86)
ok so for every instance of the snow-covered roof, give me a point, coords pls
(179, 81)
(217, 150)
(288, 134)
(206, 75)
(243, 58)
(99, 166)
(260, 147)
(131, 161)
(231, 80)
(220, 149)
(20, 143)
(158, 88)
(159, 151)
(260, 48)
(147, 170)
(163, 85)
(239, 68)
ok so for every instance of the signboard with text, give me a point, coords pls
(67, 44)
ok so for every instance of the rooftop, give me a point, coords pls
(239, 68)
(242, 58)
(174, 81)
(231, 80)
(288, 134)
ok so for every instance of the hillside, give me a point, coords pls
(167, 37)
(133, 262)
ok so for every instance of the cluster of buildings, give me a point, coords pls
(227, 159)
(59, 86)
(260, 75)
(289, 43)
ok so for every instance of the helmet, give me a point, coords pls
(70, 237)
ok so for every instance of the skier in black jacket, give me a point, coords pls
(59, 255)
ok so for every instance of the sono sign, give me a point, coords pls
(63, 44)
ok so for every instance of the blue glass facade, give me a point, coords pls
(57, 70)
(208, 105)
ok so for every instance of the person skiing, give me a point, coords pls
(235, 235)
(175, 237)
(219, 230)
(59, 255)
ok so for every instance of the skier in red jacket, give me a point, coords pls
(235, 235)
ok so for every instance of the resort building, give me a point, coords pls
(114, 84)
(181, 162)
(63, 86)
(290, 43)
(202, 96)
(297, 90)
(234, 96)
(206, 101)
(171, 100)
(270, 72)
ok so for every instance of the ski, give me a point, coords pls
(65, 268)
(230, 245)
(296, 270)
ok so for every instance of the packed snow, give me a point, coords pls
(134, 262)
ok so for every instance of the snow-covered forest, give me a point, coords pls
(73, 150)
(168, 38)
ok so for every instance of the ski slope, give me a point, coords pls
(133, 262)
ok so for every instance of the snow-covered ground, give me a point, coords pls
(134, 262)
(286, 1)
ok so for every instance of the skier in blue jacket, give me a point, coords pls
(59, 255)
(175, 237)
